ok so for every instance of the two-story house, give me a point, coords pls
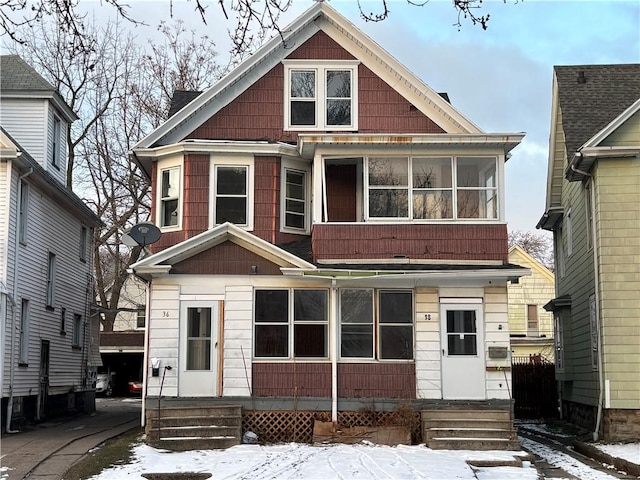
(333, 236)
(49, 340)
(593, 209)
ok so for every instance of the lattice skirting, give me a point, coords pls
(289, 426)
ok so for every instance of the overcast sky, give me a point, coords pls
(499, 78)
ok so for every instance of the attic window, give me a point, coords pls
(320, 96)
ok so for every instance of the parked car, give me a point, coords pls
(104, 384)
(135, 387)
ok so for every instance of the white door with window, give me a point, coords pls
(462, 343)
(198, 349)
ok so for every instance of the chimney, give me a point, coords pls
(581, 77)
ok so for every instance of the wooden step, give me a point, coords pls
(199, 420)
(182, 444)
(494, 433)
(468, 423)
(193, 411)
(195, 431)
(471, 443)
(459, 414)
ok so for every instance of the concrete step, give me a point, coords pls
(182, 444)
(194, 411)
(472, 443)
(183, 421)
(458, 414)
(491, 433)
(467, 423)
(195, 431)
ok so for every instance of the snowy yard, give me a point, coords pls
(297, 461)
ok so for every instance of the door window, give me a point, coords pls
(199, 338)
(461, 332)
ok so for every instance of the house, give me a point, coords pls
(593, 210)
(49, 340)
(122, 347)
(333, 239)
(530, 326)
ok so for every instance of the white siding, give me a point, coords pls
(60, 173)
(238, 314)
(496, 327)
(428, 356)
(26, 121)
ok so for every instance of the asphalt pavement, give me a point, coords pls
(47, 450)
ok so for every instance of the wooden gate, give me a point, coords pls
(534, 388)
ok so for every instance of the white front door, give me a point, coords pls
(462, 343)
(198, 349)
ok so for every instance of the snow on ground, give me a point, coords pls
(627, 451)
(325, 462)
(564, 461)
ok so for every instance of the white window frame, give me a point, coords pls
(163, 166)
(377, 326)
(23, 347)
(56, 141)
(23, 218)
(51, 280)
(497, 197)
(291, 324)
(321, 68)
(298, 167)
(246, 161)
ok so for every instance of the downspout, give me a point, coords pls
(596, 274)
(333, 341)
(13, 310)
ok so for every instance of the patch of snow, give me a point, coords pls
(626, 451)
(298, 461)
(564, 461)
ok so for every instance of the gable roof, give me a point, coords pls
(11, 149)
(318, 17)
(19, 80)
(592, 96)
(518, 251)
(162, 261)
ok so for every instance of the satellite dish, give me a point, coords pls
(128, 241)
(142, 234)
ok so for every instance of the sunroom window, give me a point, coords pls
(320, 96)
(291, 323)
(376, 324)
(431, 188)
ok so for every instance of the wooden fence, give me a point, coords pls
(534, 388)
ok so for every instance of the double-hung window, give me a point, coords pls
(77, 330)
(291, 323)
(320, 95)
(56, 142)
(51, 279)
(23, 204)
(294, 199)
(431, 188)
(232, 194)
(376, 324)
(170, 190)
(83, 243)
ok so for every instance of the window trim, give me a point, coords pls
(77, 333)
(455, 189)
(569, 233)
(376, 325)
(23, 212)
(56, 141)
(84, 233)
(320, 67)
(589, 213)
(23, 334)
(163, 166)
(51, 281)
(291, 323)
(232, 161)
(301, 167)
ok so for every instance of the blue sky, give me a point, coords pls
(500, 78)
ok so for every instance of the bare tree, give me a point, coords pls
(539, 246)
(251, 20)
(121, 90)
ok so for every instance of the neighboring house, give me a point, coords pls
(593, 209)
(122, 348)
(49, 339)
(530, 326)
(333, 236)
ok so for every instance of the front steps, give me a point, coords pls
(194, 427)
(455, 428)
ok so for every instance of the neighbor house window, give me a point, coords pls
(232, 191)
(321, 96)
(77, 329)
(83, 243)
(55, 142)
(430, 188)
(23, 348)
(170, 190)
(558, 337)
(569, 232)
(376, 324)
(532, 321)
(63, 320)
(294, 202)
(51, 279)
(23, 203)
(589, 214)
(291, 323)
(141, 318)
(593, 321)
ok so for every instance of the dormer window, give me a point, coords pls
(55, 143)
(321, 96)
